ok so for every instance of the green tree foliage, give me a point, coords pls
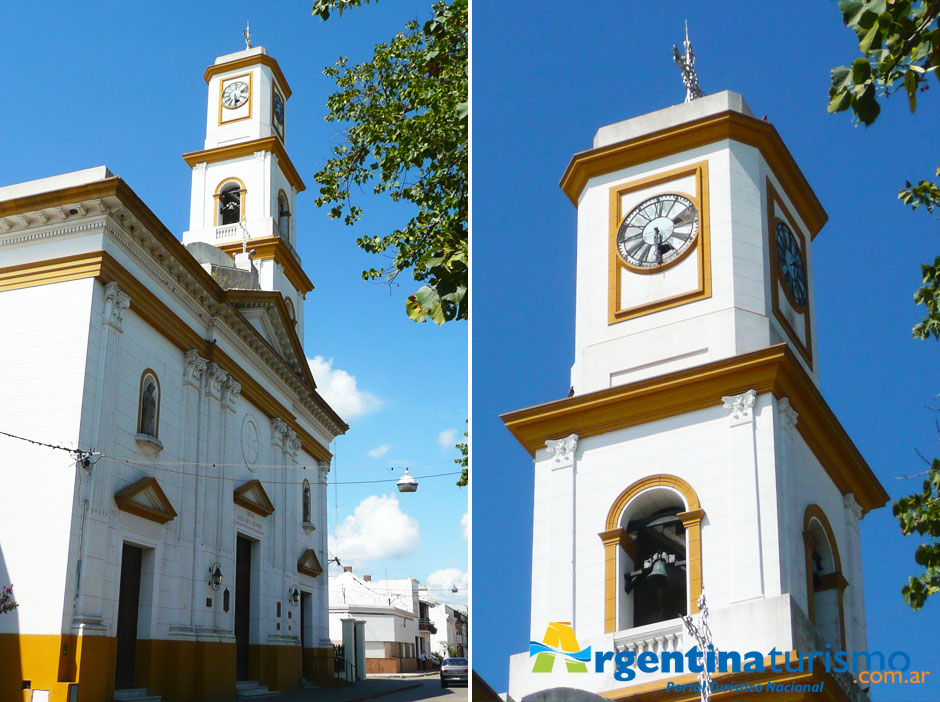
(463, 462)
(405, 120)
(900, 47)
(920, 513)
(899, 43)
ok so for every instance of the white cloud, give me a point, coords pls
(376, 529)
(441, 581)
(339, 389)
(379, 451)
(447, 438)
(465, 524)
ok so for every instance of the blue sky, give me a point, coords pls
(545, 77)
(121, 84)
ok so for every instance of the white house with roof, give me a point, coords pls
(397, 625)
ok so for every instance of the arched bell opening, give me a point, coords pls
(654, 576)
(652, 550)
(825, 583)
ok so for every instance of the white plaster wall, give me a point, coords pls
(735, 320)
(808, 483)
(67, 378)
(43, 351)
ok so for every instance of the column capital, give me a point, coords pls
(562, 450)
(115, 302)
(740, 407)
(853, 509)
(194, 366)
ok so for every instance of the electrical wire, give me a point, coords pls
(141, 464)
(84, 456)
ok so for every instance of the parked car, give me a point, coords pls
(454, 670)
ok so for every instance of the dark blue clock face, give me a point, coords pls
(791, 264)
(278, 108)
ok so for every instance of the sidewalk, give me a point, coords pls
(376, 686)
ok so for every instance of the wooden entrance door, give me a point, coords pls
(242, 607)
(128, 602)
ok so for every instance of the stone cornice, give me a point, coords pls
(683, 137)
(248, 148)
(774, 369)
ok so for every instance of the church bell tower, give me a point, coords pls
(696, 452)
(244, 185)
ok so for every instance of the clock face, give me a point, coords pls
(790, 260)
(657, 231)
(278, 108)
(235, 95)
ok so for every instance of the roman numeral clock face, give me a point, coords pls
(235, 95)
(658, 231)
(790, 260)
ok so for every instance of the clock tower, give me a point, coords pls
(695, 453)
(244, 185)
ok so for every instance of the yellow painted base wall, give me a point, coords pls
(180, 671)
(318, 667)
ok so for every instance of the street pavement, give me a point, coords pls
(404, 688)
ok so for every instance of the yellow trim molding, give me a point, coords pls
(774, 369)
(615, 537)
(267, 247)
(702, 248)
(126, 503)
(54, 270)
(263, 59)
(252, 496)
(247, 148)
(666, 142)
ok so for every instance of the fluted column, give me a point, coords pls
(194, 370)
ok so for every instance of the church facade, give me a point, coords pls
(695, 454)
(168, 534)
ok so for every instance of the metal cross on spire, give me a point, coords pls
(247, 34)
(686, 63)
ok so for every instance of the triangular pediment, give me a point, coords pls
(261, 319)
(309, 564)
(252, 497)
(146, 499)
(267, 314)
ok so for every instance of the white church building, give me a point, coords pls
(178, 549)
(695, 450)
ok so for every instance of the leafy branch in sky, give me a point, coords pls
(463, 462)
(899, 43)
(900, 46)
(920, 513)
(405, 120)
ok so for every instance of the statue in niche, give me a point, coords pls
(148, 408)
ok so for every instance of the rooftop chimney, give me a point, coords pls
(347, 569)
(367, 578)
